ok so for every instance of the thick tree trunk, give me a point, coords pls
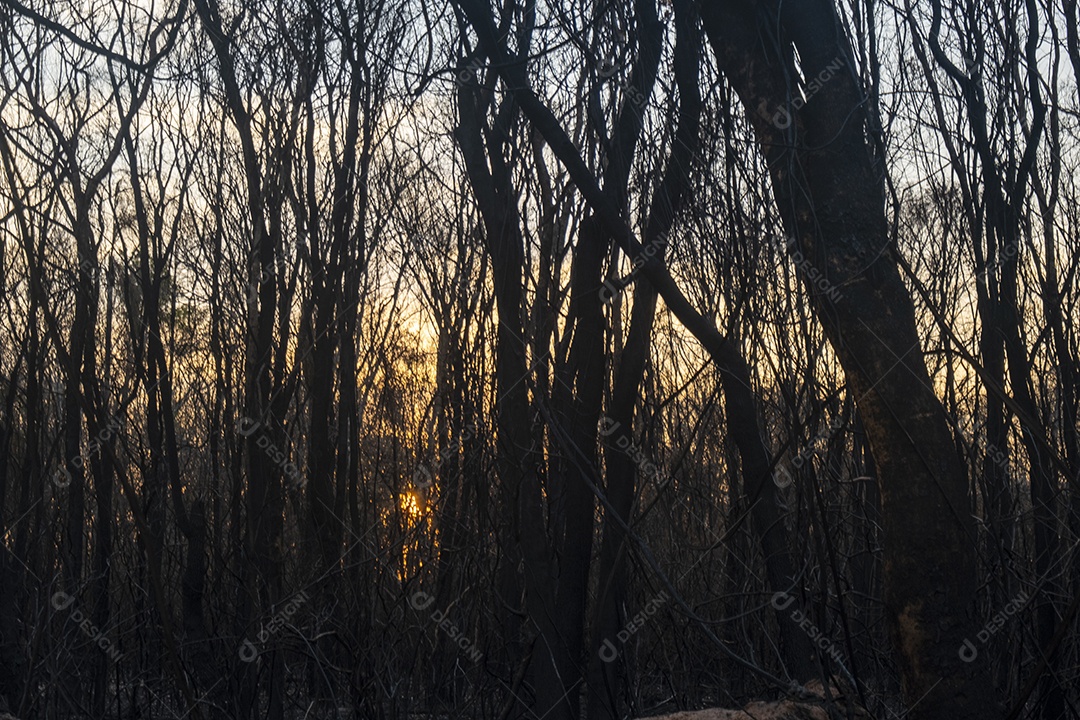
(829, 193)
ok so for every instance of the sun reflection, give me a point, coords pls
(412, 506)
(413, 509)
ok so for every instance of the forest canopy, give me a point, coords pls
(396, 359)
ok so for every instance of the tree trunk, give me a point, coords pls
(829, 192)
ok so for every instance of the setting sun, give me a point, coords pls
(412, 505)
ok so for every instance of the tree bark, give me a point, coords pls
(829, 191)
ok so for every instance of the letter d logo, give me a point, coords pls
(782, 119)
(607, 651)
(606, 426)
(62, 478)
(248, 651)
(246, 426)
(781, 600)
(968, 652)
(607, 69)
(421, 601)
(61, 600)
(763, 111)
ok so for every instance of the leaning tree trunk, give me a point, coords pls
(830, 196)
